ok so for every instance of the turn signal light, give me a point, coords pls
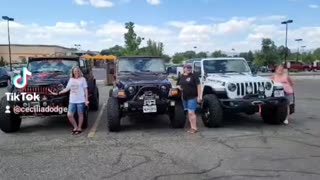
(121, 94)
(174, 92)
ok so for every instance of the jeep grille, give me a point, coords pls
(242, 87)
(40, 90)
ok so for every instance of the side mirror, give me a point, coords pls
(254, 71)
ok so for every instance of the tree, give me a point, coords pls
(153, 49)
(166, 58)
(132, 41)
(316, 54)
(268, 54)
(115, 50)
(2, 63)
(218, 54)
(24, 60)
(202, 55)
(178, 58)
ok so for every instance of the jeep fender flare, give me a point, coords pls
(114, 92)
(210, 90)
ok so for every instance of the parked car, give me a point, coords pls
(4, 77)
(142, 87)
(48, 73)
(229, 86)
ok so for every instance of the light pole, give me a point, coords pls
(286, 43)
(9, 44)
(298, 41)
(302, 51)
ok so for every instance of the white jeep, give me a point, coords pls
(229, 86)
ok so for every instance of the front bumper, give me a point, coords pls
(252, 104)
(160, 106)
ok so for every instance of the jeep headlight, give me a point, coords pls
(249, 89)
(232, 87)
(131, 90)
(60, 87)
(163, 88)
(268, 86)
(261, 89)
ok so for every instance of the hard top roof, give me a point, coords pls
(57, 57)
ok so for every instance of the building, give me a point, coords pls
(21, 52)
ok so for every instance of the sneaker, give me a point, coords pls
(286, 122)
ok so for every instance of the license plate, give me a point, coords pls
(278, 93)
(149, 106)
(149, 109)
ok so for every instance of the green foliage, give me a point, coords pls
(152, 49)
(115, 50)
(178, 58)
(202, 55)
(24, 60)
(219, 53)
(132, 41)
(2, 63)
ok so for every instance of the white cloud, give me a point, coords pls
(313, 6)
(95, 3)
(154, 2)
(242, 34)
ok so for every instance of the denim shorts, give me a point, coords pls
(290, 98)
(190, 105)
(76, 107)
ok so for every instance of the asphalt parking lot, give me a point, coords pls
(244, 148)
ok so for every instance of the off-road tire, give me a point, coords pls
(113, 115)
(274, 114)
(85, 118)
(177, 116)
(94, 103)
(9, 122)
(211, 104)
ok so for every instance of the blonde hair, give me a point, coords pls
(73, 68)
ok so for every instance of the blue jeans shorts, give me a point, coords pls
(76, 107)
(190, 105)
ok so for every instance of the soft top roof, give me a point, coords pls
(125, 57)
(53, 58)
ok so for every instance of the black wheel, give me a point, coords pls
(94, 103)
(274, 114)
(177, 115)
(113, 114)
(9, 122)
(212, 113)
(85, 118)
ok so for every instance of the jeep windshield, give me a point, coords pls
(225, 66)
(141, 65)
(51, 65)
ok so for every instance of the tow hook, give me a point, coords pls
(257, 103)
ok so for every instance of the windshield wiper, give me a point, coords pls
(234, 72)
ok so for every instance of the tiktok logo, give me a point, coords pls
(21, 82)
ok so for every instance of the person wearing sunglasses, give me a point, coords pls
(189, 85)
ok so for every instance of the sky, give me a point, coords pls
(208, 25)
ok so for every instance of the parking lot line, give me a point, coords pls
(93, 130)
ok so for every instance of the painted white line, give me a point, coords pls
(93, 130)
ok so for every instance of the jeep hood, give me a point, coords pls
(228, 78)
(48, 78)
(144, 79)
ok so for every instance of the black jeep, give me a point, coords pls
(48, 73)
(141, 86)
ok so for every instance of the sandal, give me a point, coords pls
(192, 131)
(74, 131)
(78, 132)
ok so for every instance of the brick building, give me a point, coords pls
(21, 52)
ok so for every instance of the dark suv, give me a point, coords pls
(142, 87)
(48, 73)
